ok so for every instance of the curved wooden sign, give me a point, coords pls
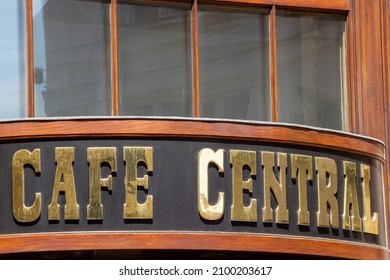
(70, 187)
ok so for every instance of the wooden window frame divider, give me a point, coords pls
(273, 65)
(30, 58)
(195, 59)
(114, 57)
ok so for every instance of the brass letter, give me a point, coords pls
(278, 189)
(207, 211)
(350, 198)
(326, 193)
(302, 168)
(370, 222)
(239, 212)
(97, 156)
(64, 182)
(132, 156)
(21, 212)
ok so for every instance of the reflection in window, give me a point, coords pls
(72, 58)
(72, 67)
(12, 60)
(310, 70)
(154, 60)
(234, 65)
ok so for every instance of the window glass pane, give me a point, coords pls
(234, 65)
(12, 60)
(72, 58)
(310, 70)
(154, 60)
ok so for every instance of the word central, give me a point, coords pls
(302, 172)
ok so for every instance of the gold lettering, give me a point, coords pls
(327, 170)
(350, 199)
(133, 156)
(96, 157)
(370, 221)
(21, 212)
(302, 170)
(207, 211)
(239, 212)
(278, 188)
(64, 182)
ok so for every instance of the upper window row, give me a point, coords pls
(207, 61)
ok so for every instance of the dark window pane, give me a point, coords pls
(72, 58)
(12, 60)
(310, 70)
(154, 60)
(234, 65)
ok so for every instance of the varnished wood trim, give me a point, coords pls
(191, 128)
(274, 65)
(114, 57)
(30, 58)
(240, 242)
(358, 93)
(352, 70)
(195, 60)
(176, 3)
(336, 5)
(385, 35)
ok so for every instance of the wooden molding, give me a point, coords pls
(191, 128)
(233, 242)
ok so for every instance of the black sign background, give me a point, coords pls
(173, 184)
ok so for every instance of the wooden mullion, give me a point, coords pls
(114, 58)
(351, 74)
(30, 59)
(195, 60)
(274, 69)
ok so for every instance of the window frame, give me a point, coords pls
(273, 6)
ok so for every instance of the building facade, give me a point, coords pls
(175, 128)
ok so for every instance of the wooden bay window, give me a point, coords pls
(248, 60)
